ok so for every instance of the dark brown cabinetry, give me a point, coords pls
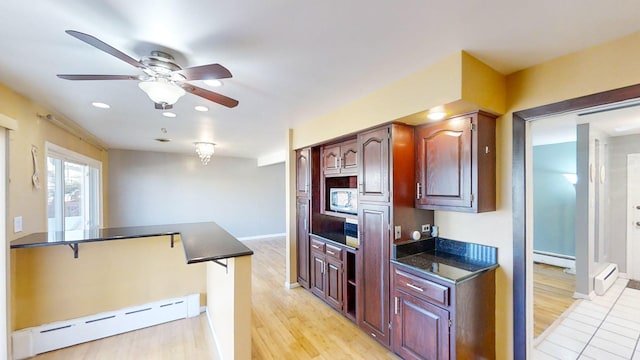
(326, 272)
(340, 159)
(374, 168)
(385, 200)
(307, 167)
(303, 212)
(455, 164)
(374, 270)
(303, 173)
(434, 319)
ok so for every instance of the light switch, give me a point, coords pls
(17, 224)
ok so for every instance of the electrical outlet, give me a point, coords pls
(426, 228)
(17, 224)
(398, 232)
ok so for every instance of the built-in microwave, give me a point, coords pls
(343, 200)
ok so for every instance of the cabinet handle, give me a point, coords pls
(330, 252)
(315, 246)
(415, 287)
(418, 191)
(396, 305)
(338, 162)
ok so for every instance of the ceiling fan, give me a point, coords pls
(162, 80)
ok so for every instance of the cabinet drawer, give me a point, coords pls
(422, 288)
(334, 252)
(317, 245)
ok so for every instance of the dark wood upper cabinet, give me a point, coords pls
(340, 159)
(373, 177)
(456, 164)
(303, 172)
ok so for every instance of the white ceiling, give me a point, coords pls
(292, 61)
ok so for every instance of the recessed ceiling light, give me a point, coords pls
(201, 108)
(214, 83)
(100, 105)
(436, 115)
(169, 114)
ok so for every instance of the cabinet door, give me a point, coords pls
(373, 281)
(303, 172)
(349, 153)
(317, 274)
(334, 283)
(373, 177)
(331, 160)
(302, 238)
(444, 163)
(421, 330)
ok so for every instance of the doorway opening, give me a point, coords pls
(523, 210)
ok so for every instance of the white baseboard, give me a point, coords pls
(258, 237)
(47, 337)
(289, 285)
(590, 296)
(564, 261)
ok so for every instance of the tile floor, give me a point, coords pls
(605, 328)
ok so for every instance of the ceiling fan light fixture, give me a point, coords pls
(204, 151)
(161, 91)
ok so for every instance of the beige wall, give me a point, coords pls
(48, 284)
(589, 71)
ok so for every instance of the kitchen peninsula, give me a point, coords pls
(228, 271)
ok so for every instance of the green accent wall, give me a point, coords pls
(554, 198)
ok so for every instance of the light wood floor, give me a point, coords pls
(552, 294)
(286, 324)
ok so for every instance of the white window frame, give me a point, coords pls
(59, 152)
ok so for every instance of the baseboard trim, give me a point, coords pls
(590, 296)
(560, 260)
(259, 237)
(289, 285)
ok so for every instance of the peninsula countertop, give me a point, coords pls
(205, 241)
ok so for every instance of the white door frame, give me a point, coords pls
(633, 215)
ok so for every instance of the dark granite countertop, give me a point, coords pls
(449, 260)
(339, 238)
(201, 241)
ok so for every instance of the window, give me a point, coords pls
(73, 190)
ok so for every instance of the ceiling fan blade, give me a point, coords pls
(210, 95)
(98, 77)
(205, 72)
(97, 43)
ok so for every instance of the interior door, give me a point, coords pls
(633, 215)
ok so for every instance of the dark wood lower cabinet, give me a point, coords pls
(421, 330)
(436, 319)
(317, 284)
(373, 277)
(326, 272)
(334, 283)
(302, 237)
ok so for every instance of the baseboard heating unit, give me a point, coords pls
(605, 279)
(36, 340)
